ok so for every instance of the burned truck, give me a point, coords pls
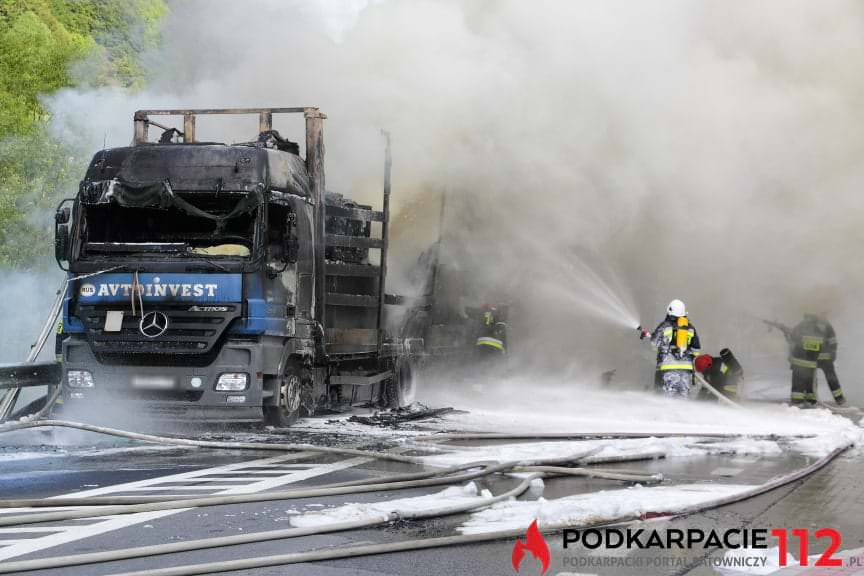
(223, 282)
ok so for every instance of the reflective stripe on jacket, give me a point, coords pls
(491, 342)
(813, 339)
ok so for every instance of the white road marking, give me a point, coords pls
(168, 488)
(72, 533)
(207, 479)
(32, 529)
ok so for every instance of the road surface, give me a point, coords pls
(831, 498)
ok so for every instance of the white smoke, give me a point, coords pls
(705, 151)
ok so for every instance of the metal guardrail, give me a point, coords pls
(20, 373)
(26, 375)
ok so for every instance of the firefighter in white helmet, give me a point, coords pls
(677, 345)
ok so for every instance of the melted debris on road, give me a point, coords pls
(397, 416)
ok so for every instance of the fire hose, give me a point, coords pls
(371, 549)
(184, 503)
(206, 543)
(344, 552)
(702, 382)
(424, 479)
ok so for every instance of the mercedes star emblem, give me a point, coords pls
(153, 324)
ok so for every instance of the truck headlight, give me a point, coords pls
(232, 382)
(79, 379)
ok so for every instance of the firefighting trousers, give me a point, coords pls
(804, 383)
(827, 367)
(803, 380)
(674, 383)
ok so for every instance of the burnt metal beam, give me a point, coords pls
(265, 119)
(385, 236)
(353, 241)
(353, 300)
(360, 379)
(24, 375)
(315, 170)
(355, 213)
(354, 270)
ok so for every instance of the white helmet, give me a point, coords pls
(676, 308)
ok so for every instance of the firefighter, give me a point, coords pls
(677, 345)
(492, 333)
(813, 344)
(723, 373)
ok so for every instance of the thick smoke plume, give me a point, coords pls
(707, 151)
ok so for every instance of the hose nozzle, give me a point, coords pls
(643, 332)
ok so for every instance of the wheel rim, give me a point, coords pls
(289, 394)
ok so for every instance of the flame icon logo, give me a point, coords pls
(534, 543)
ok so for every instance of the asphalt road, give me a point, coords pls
(831, 498)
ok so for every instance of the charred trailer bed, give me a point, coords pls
(223, 282)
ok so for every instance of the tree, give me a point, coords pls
(47, 45)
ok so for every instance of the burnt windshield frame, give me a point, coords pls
(165, 262)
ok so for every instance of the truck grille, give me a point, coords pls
(189, 332)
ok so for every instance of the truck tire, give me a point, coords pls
(287, 391)
(403, 387)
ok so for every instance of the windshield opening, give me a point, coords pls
(109, 228)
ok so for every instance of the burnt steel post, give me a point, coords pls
(315, 168)
(432, 286)
(188, 128)
(385, 236)
(265, 122)
(141, 127)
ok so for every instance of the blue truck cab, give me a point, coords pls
(222, 282)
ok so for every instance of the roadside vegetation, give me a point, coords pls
(46, 46)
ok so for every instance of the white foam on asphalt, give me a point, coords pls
(518, 405)
(677, 447)
(453, 496)
(513, 514)
(599, 506)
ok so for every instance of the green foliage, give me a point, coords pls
(36, 171)
(34, 54)
(47, 45)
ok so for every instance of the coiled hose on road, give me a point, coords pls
(456, 474)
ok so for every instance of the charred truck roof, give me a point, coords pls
(202, 167)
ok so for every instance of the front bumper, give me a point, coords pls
(169, 392)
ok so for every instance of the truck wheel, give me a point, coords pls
(287, 409)
(403, 388)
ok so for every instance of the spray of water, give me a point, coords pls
(588, 293)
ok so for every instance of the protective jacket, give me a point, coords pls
(675, 350)
(493, 333)
(725, 374)
(812, 340)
